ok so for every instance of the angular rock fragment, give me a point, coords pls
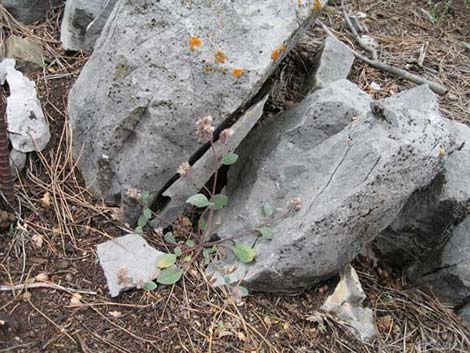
(448, 275)
(416, 237)
(127, 262)
(83, 22)
(160, 67)
(27, 126)
(29, 11)
(333, 62)
(347, 303)
(352, 183)
(26, 51)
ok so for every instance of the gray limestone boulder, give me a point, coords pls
(417, 236)
(352, 179)
(160, 66)
(83, 22)
(26, 51)
(29, 11)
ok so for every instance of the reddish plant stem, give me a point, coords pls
(5, 172)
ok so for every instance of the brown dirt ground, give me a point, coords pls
(191, 316)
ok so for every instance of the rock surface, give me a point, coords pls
(347, 303)
(157, 68)
(353, 181)
(127, 262)
(333, 62)
(83, 22)
(448, 275)
(416, 237)
(26, 51)
(27, 126)
(29, 11)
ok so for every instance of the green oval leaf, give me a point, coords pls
(147, 213)
(166, 260)
(244, 253)
(202, 223)
(139, 230)
(268, 209)
(266, 232)
(150, 286)
(229, 158)
(142, 221)
(190, 243)
(178, 251)
(169, 275)
(198, 200)
(169, 238)
(220, 201)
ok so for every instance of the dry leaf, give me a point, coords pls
(46, 200)
(27, 296)
(42, 277)
(115, 314)
(241, 336)
(76, 300)
(37, 241)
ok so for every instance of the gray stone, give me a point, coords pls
(352, 182)
(26, 51)
(464, 313)
(29, 11)
(347, 303)
(127, 262)
(203, 169)
(83, 22)
(27, 126)
(415, 238)
(134, 107)
(17, 161)
(333, 62)
(449, 277)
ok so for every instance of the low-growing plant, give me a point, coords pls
(200, 242)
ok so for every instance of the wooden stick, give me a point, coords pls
(43, 285)
(434, 86)
(362, 43)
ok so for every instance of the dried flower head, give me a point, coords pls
(224, 135)
(183, 169)
(204, 128)
(133, 193)
(123, 276)
(295, 204)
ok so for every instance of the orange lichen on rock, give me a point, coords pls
(277, 52)
(316, 5)
(220, 57)
(237, 72)
(207, 69)
(194, 42)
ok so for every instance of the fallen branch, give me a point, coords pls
(434, 86)
(43, 285)
(362, 43)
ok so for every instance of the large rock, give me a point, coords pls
(83, 22)
(416, 238)
(352, 182)
(29, 11)
(160, 66)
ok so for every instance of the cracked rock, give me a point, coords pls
(157, 69)
(352, 177)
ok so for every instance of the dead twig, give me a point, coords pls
(43, 285)
(5, 171)
(362, 43)
(434, 86)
